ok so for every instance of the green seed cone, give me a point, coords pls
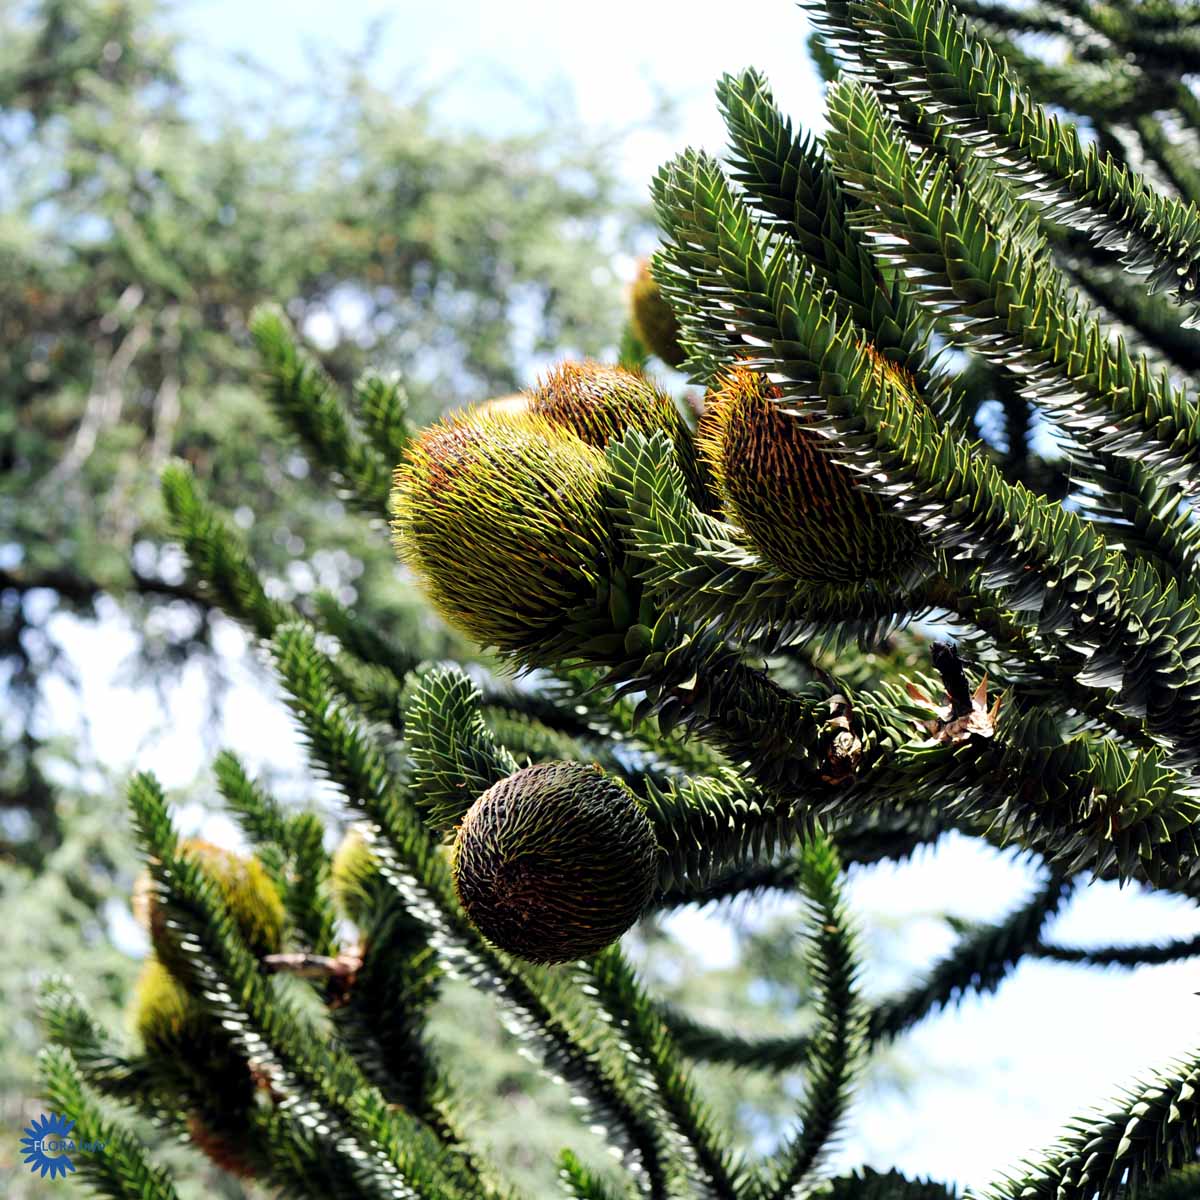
(244, 886)
(502, 518)
(799, 509)
(555, 862)
(354, 875)
(514, 402)
(653, 319)
(161, 1012)
(176, 1031)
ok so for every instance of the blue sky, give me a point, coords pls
(1007, 1070)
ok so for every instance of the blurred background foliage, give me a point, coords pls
(139, 224)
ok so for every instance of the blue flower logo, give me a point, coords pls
(45, 1139)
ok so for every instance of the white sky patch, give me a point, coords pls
(498, 63)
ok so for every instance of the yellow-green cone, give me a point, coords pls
(653, 319)
(353, 874)
(174, 1029)
(555, 862)
(514, 402)
(161, 1012)
(598, 403)
(502, 518)
(799, 509)
(243, 884)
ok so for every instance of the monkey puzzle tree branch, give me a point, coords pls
(695, 566)
(546, 1012)
(895, 444)
(1083, 802)
(712, 1163)
(840, 1038)
(1149, 1131)
(978, 963)
(122, 1167)
(1120, 956)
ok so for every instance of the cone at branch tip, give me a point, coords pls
(353, 875)
(653, 319)
(242, 883)
(799, 509)
(502, 518)
(555, 862)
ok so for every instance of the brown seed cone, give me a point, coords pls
(798, 507)
(219, 1148)
(598, 402)
(555, 862)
